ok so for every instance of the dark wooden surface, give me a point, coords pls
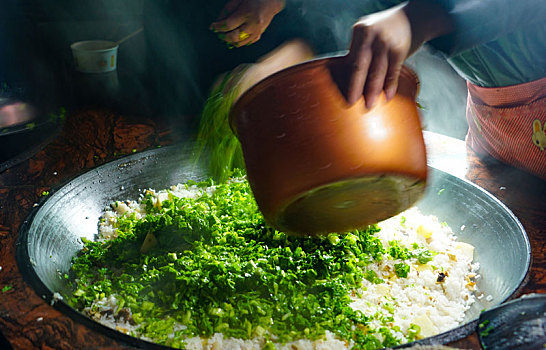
(92, 137)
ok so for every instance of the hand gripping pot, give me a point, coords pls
(317, 165)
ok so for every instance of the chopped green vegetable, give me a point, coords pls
(6, 288)
(401, 270)
(414, 331)
(487, 331)
(484, 323)
(215, 266)
(371, 276)
(215, 137)
(397, 251)
(423, 256)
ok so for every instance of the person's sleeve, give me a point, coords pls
(480, 21)
(327, 24)
(334, 7)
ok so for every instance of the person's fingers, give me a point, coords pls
(234, 20)
(359, 58)
(396, 61)
(248, 39)
(251, 39)
(238, 36)
(228, 9)
(377, 71)
(246, 20)
(229, 24)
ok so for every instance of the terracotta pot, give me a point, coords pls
(317, 165)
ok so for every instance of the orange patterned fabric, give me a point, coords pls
(509, 123)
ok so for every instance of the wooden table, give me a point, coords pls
(92, 137)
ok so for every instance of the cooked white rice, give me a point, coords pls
(418, 299)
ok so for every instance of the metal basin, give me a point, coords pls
(50, 237)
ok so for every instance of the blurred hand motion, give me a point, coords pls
(242, 22)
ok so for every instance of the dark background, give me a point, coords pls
(166, 70)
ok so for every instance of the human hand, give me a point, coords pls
(242, 22)
(382, 41)
(380, 44)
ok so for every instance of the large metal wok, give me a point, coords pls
(51, 236)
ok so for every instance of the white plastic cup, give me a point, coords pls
(95, 56)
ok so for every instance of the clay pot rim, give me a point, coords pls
(328, 60)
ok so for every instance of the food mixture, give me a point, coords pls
(195, 266)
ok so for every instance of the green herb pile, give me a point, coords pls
(215, 138)
(217, 267)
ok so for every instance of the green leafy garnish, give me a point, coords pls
(371, 276)
(424, 255)
(216, 266)
(401, 270)
(486, 332)
(215, 139)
